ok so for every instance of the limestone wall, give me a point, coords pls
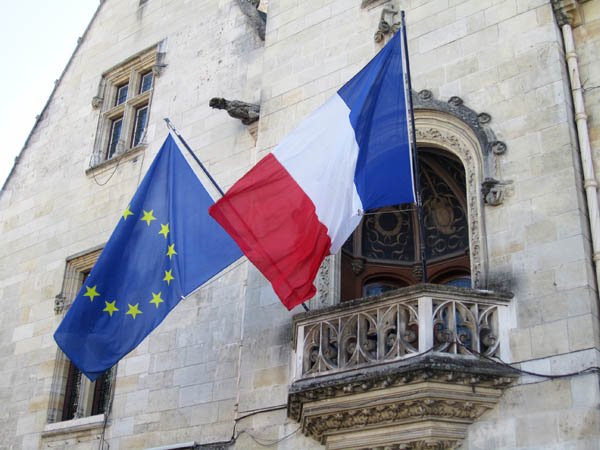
(225, 352)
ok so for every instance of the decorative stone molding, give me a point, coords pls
(492, 192)
(476, 121)
(327, 283)
(458, 129)
(59, 303)
(387, 372)
(372, 3)
(568, 12)
(97, 101)
(426, 400)
(246, 112)
(399, 325)
(387, 24)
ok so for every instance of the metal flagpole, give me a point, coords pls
(174, 130)
(415, 158)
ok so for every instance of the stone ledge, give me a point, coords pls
(108, 164)
(74, 425)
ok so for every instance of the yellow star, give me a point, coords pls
(110, 307)
(171, 251)
(148, 217)
(91, 293)
(156, 299)
(127, 213)
(168, 277)
(133, 310)
(164, 230)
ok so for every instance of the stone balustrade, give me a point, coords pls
(399, 325)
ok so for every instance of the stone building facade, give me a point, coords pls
(507, 90)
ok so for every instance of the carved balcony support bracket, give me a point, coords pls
(399, 369)
(430, 398)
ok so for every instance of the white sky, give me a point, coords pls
(38, 38)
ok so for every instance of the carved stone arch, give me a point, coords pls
(447, 132)
(453, 127)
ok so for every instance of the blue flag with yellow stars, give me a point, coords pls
(164, 247)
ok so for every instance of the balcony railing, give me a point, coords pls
(399, 325)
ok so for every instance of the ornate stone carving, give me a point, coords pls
(396, 326)
(567, 11)
(372, 3)
(455, 101)
(498, 147)
(387, 23)
(97, 101)
(456, 144)
(246, 112)
(484, 118)
(492, 192)
(430, 395)
(358, 266)
(59, 303)
(256, 18)
(158, 69)
(425, 94)
(323, 281)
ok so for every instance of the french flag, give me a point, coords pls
(301, 202)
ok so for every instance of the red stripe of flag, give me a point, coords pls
(276, 226)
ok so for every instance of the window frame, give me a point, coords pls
(77, 269)
(129, 74)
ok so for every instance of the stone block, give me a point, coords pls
(490, 434)
(137, 364)
(578, 423)
(443, 36)
(462, 68)
(536, 430)
(136, 402)
(195, 394)
(226, 410)
(175, 418)
(196, 374)
(583, 332)
(122, 427)
(225, 389)
(163, 399)
(550, 339)
(585, 391)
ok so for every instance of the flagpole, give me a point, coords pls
(174, 130)
(415, 157)
(187, 147)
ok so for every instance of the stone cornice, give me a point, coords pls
(423, 402)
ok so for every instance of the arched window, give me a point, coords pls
(384, 251)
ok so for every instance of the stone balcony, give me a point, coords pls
(403, 370)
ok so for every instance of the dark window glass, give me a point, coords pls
(384, 251)
(115, 134)
(121, 94)
(140, 124)
(100, 387)
(71, 392)
(146, 83)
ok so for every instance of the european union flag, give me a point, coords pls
(164, 247)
